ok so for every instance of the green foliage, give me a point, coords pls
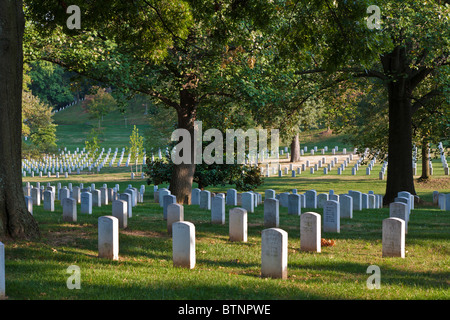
(244, 177)
(92, 143)
(50, 83)
(37, 123)
(136, 146)
(98, 104)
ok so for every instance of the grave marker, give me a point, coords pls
(183, 244)
(294, 204)
(274, 253)
(49, 201)
(69, 209)
(271, 213)
(231, 197)
(399, 210)
(393, 238)
(248, 202)
(168, 199)
(120, 211)
(346, 206)
(311, 199)
(331, 216)
(218, 210)
(108, 237)
(175, 213)
(310, 232)
(238, 224)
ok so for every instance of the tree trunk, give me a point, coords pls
(295, 149)
(15, 220)
(425, 161)
(400, 171)
(183, 174)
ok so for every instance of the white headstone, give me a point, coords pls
(49, 201)
(238, 224)
(399, 210)
(248, 202)
(294, 204)
(36, 196)
(183, 244)
(271, 213)
(120, 211)
(218, 210)
(274, 253)
(205, 200)
(69, 209)
(108, 237)
(29, 204)
(96, 198)
(357, 199)
(195, 196)
(168, 199)
(310, 232)
(331, 216)
(86, 203)
(231, 197)
(321, 199)
(175, 213)
(128, 198)
(393, 238)
(311, 199)
(346, 206)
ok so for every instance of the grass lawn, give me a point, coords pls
(231, 270)
(228, 270)
(74, 126)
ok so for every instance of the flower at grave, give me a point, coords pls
(327, 242)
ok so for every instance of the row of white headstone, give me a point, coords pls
(442, 200)
(88, 198)
(70, 163)
(273, 257)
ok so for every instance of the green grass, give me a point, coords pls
(230, 270)
(74, 126)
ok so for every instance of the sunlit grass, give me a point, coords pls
(230, 270)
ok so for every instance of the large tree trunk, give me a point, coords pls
(15, 221)
(183, 174)
(400, 171)
(425, 161)
(295, 149)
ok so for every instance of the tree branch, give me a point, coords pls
(100, 78)
(424, 99)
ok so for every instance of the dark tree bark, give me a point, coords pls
(295, 149)
(15, 221)
(425, 163)
(400, 171)
(183, 174)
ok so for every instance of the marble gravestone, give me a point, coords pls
(310, 232)
(271, 213)
(238, 224)
(183, 244)
(393, 237)
(331, 216)
(274, 253)
(175, 213)
(108, 237)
